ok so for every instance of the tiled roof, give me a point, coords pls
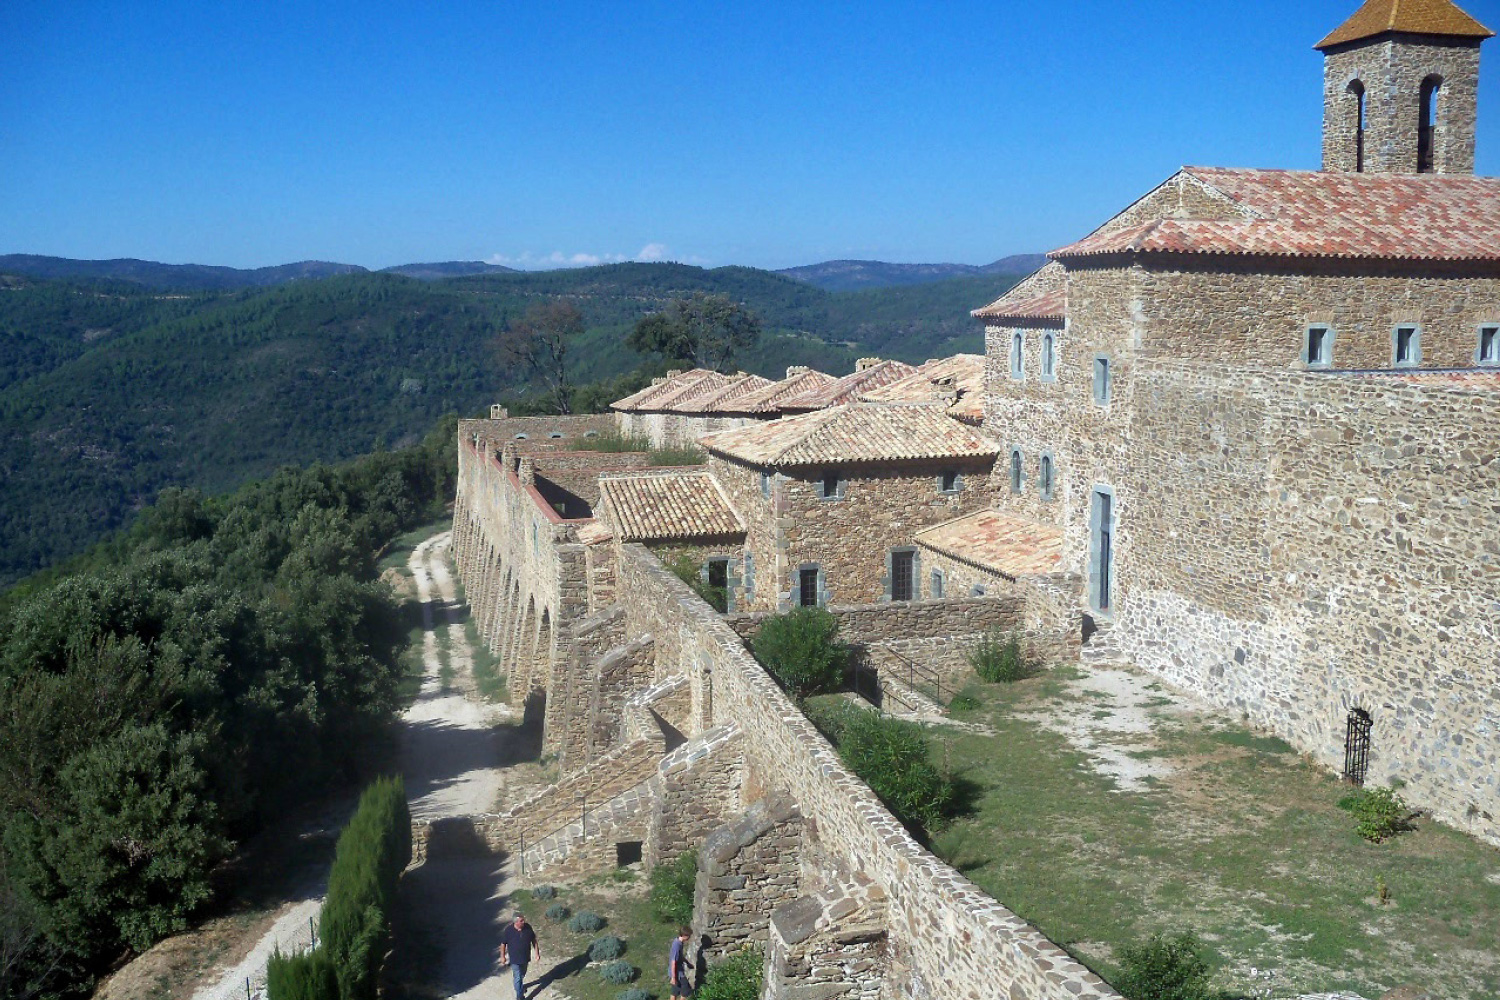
(1048, 305)
(656, 390)
(958, 381)
(855, 432)
(1414, 17)
(845, 389)
(768, 398)
(1041, 296)
(658, 506)
(1314, 214)
(714, 402)
(1010, 546)
(593, 532)
(685, 393)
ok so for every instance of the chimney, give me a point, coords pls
(498, 412)
(865, 363)
(673, 372)
(796, 370)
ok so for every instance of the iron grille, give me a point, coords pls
(901, 576)
(1357, 746)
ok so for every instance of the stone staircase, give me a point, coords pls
(901, 684)
(1102, 649)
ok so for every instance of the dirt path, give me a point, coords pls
(452, 753)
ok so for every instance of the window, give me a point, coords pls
(1488, 353)
(977, 590)
(1049, 358)
(765, 484)
(718, 573)
(1102, 549)
(807, 587)
(1426, 160)
(749, 574)
(1357, 91)
(1317, 349)
(828, 489)
(1017, 357)
(520, 437)
(903, 570)
(935, 585)
(1017, 475)
(1103, 380)
(555, 435)
(1406, 346)
(1044, 475)
(950, 482)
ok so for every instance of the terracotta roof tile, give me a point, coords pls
(855, 432)
(656, 390)
(1314, 214)
(684, 393)
(716, 402)
(957, 381)
(848, 388)
(1413, 17)
(660, 506)
(1041, 296)
(1010, 546)
(768, 398)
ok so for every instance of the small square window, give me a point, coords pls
(1406, 346)
(950, 482)
(1103, 381)
(1489, 346)
(829, 487)
(1318, 351)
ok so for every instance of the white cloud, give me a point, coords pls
(652, 251)
(530, 260)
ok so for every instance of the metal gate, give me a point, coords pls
(1357, 746)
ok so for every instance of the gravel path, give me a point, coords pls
(450, 754)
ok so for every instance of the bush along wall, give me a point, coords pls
(355, 924)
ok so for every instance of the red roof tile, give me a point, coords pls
(768, 398)
(659, 506)
(842, 390)
(1048, 305)
(1413, 17)
(1313, 214)
(958, 382)
(672, 401)
(853, 433)
(716, 402)
(656, 390)
(1010, 546)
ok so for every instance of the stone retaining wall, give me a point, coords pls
(963, 943)
(746, 869)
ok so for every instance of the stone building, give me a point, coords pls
(683, 405)
(1259, 411)
(832, 499)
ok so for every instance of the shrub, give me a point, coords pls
(585, 922)
(741, 976)
(634, 993)
(672, 886)
(1380, 812)
(612, 441)
(685, 569)
(892, 757)
(1164, 968)
(558, 911)
(681, 455)
(802, 651)
(999, 659)
(618, 973)
(371, 853)
(963, 703)
(544, 892)
(308, 976)
(605, 948)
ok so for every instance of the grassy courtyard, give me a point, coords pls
(1103, 811)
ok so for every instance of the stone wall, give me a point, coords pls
(746, 869)
(963, 943)
(697, 789)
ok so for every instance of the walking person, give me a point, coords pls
(518, 946)
(679, 969)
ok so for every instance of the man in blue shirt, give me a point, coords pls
(679, 969)
(518, 945)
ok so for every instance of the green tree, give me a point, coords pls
(538, 344)
(704, 330)
(802, 651)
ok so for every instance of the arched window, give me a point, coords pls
(1044, 476)
(1049, 358)
(1017, 476)
(1017, 346)
(1357, 92)
(1426, 161)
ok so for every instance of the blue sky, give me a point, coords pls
(770, 133)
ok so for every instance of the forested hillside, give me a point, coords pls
(110, 391)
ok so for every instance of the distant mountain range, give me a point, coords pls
(207, 277)
(853, 275)
(831, 275)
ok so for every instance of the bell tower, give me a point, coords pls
(1400, 83)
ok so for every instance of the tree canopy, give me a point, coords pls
(538, 344)
(706, 331)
